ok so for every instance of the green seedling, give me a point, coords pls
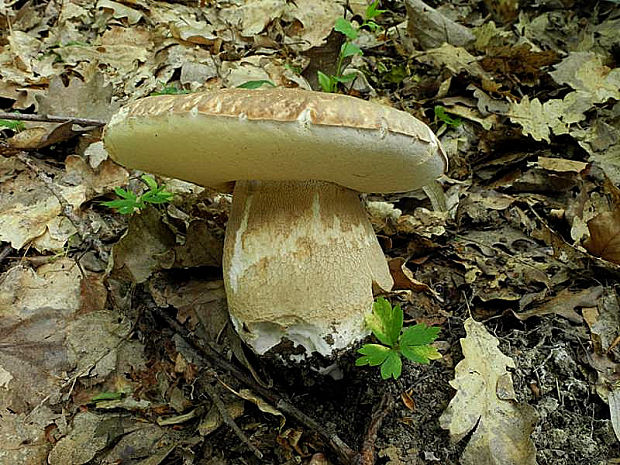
(130, 203)
(413, 342)
(442, 115)
(15, 126)
(170, 90)
(256, 84)
(371, 13)
(329, 83)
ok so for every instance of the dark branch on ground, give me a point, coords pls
(367, 454)
(53, 119)
(230, 422)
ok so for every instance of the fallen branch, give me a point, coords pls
(219, 404)
(53, 119)
(367, 455)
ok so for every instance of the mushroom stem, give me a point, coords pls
(300, 259)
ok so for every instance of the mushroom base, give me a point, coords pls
(300, 260)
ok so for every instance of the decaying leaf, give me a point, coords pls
(485, 405)
(565, 303)
(263, 406)
(431, 28)
(455, 59)
(604, 322)
(604, 240)
(404, 279)
(145, 248)
(584, 71)
(29, 209)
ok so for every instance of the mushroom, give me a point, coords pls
(300, 255)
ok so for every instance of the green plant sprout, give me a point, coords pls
(413, 342)
(130, 202)
(442, 115)
(12, 125)
(169, 90)
(329, 83)
(256, 84)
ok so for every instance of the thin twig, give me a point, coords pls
(219, 404)
(345, 454)
(53, 119)
(367, 454)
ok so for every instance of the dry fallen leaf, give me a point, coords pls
(146, 247)
(604, 240)
(564, 304)
(485, 405)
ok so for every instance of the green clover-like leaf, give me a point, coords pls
(392, 366)
(373, 355)
(420, 354)
(419, 334)
(385, 322)
(415, 343)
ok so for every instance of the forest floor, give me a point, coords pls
(115, 343)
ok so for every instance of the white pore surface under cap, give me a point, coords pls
(215, 138)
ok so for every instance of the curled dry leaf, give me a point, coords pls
(604, 238)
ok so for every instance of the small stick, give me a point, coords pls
(367, 454)
(219, 404)
(53, 119)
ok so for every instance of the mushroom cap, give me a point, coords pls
(218, 137)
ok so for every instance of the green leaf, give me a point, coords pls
(415, 343)
(326, 82)
(372, 10)
(149, 181)
(392, 366)
(345, 27)
(170, 90)
(157, 197)
(107, 396)
(440, 114)
(385, 322)
(346, 77)
(125, 194)
(374, 354)
(124, 206)
(419, 334)
(372, 25)
(349, 49)
(12, 125)
(420, 354)
(256, 84)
